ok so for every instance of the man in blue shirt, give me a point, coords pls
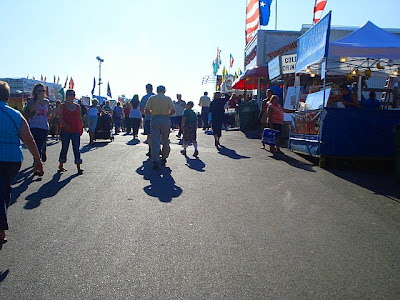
(147, 116)
(371, 102)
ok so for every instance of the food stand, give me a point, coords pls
(331, 133)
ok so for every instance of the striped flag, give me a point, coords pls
(257, 13)
(318, 10)
(231, 60)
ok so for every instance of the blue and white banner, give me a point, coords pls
(313, 45)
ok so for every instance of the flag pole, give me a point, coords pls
(276, 14)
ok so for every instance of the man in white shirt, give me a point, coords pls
(204, 103)
(179, 108)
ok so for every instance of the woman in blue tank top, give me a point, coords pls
(13, 127)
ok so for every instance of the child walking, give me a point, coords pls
(189, 126)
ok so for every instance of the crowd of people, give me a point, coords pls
(156, 113)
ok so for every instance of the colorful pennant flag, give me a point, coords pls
(218, 61)
(108, 90)
(66, 81)
(224, 73)
(94, 85)
(58, 79)
(71, 84)
(231, 60)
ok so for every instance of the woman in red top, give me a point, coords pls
(71, 130)
(275, 114)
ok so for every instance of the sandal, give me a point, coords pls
(3, 238)
(62, 170)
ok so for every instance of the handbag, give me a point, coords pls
(27, 113)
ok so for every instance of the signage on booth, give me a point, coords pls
(289, 63)
(274, 68)
(313, 45)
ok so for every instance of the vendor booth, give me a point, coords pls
(21, 90)
(326, 130)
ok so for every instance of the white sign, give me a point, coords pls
(316, 100)
(289, 63)
(274, 68)
(292, 97)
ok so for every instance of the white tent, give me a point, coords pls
(369, 41)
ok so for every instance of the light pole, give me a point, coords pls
(100, 61)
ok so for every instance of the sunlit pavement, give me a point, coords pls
(235, 223)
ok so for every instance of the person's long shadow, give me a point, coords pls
(294, 162)
(93, 147)
(47, 190)
(230, 153)
(195, 164)
(133, 142)
(4, 274)
(24, 178)
(162, 184)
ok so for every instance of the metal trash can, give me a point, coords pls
(247, 115)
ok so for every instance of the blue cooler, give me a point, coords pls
(270, 136)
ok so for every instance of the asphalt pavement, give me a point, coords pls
(235, 223)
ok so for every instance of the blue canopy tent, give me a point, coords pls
(369, 41)
(352, 132)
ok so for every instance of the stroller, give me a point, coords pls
(103, 128)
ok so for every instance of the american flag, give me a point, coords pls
(319, 9)
(257, 13)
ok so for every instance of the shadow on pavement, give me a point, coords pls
(195, 164)
(374, 175)
(294, 162)
(133, 142)
(253, 134)
(4, 274)
(24, 177)
(93, 147)
(47, 190)
(230, 153)
(380, 182)
(162, 184)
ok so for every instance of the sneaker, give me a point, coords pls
(196, 153)
(163, 162)
(155, 165)
(183, 152)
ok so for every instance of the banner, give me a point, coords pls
(313, 45)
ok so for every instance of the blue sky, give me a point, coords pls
(163, 42)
